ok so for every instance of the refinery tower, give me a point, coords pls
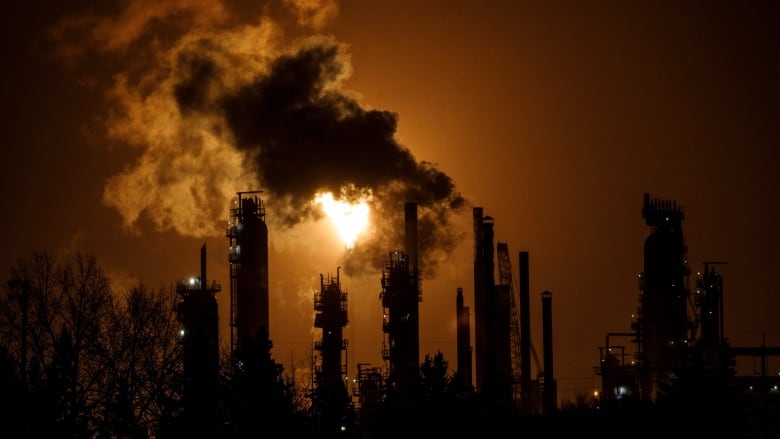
(248, 257)
(663, 322)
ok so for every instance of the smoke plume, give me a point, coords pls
(303, 134)
(224, 106)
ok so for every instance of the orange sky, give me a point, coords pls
(554, 117)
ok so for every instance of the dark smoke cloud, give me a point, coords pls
(217, 102)
(303, 135)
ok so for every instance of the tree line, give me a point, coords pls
(79, 360)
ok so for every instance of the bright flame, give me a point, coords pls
(349, 218)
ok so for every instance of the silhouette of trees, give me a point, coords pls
(701, 399)
(81, 361)
(438, 404)
(50, 322)
(257, 399)
(141, 361)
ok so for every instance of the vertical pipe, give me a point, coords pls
(480, 334)
(721, 319)
(525, 334)
(550, 394)
(203, 268)
(463, 340)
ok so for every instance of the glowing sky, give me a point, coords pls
(130, 127)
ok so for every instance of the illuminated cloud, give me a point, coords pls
(314, 13)
(215, 105)
(109, 28)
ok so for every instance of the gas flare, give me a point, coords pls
(350, 218)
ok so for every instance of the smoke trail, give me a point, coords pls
(217, 105)
(305, 134)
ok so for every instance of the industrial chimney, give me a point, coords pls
(525, 334)
(549, 391)
(463, 340)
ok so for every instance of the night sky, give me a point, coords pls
(130, 126)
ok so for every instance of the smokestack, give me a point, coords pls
(525, 334)
(410, 221)
(203, 268)
(463, 340)
(480, 333)
(484, 304)
(549, 396)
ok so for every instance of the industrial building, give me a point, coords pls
(502, 329)
(673, 330)
(669, 326)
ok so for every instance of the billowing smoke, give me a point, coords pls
(303, 134)
(216, 106)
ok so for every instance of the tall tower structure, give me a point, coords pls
(464, 369)
(484, 282)
(709, 303)
(248, 257)
(662, 323)
(492, 318)
(331, 396)
(550, 386)
(400, 299)
(525, 333)
(198, 315)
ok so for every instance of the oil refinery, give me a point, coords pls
(671, 329)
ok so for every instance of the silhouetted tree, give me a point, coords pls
(141, 363)
(439, 405)
(50, 320)
(13, 396)
(701, 400)
(257, 398)
(86, 364)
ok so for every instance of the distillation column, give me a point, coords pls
(663, 321)
(400, 299)
(248, 258)
(331, 396)
(198, 315)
